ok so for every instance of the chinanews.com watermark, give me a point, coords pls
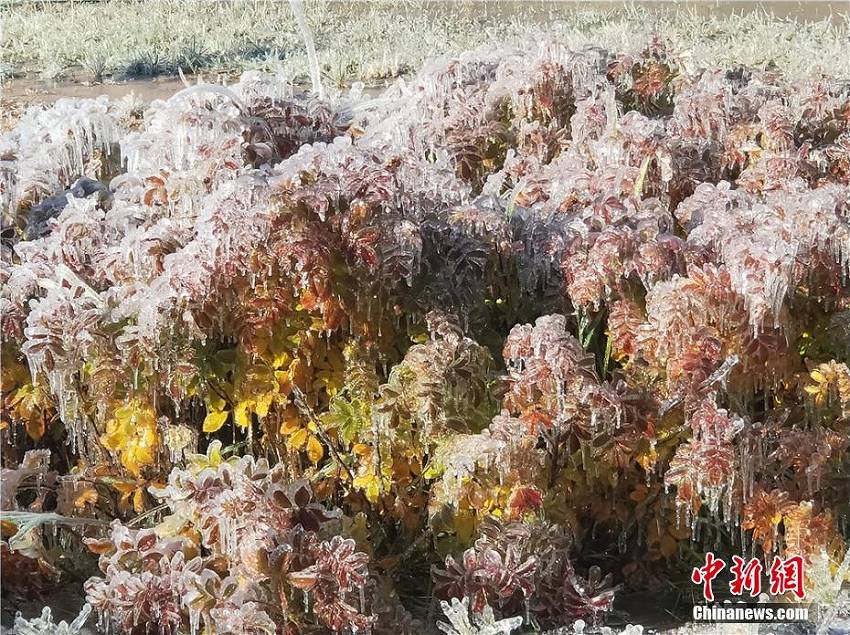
(729, 613)
(750, 580)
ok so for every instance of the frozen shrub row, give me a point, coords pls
(525, 328)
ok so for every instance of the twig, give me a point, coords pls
(301, 404)
(150, 512)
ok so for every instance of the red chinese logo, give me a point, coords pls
(747, 576)
(706, 573)
(785, 576)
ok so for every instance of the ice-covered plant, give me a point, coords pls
(483, 623)
(533, 310)
(514, 566)
(243, 549)
(44, 625)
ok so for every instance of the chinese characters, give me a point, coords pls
(785, 575)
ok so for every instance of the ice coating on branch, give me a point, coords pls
(704, 468)
(44, 625)
(34, 466)
(255, 524)
(766, 241)
(297, 7)
(185, 129)
(50, 147)
(138, 262)
(484, 624)
(575, 198)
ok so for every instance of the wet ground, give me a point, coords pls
(32, 90)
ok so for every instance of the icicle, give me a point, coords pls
(194, 621)
(312, 59)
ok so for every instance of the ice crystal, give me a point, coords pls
(483, 623)
(49, 148)
(828, 581)
(44, 625)
(33, 466)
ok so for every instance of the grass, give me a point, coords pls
(373, 41)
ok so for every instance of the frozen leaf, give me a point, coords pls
(214, 420)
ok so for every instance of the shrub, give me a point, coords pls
(534, 311)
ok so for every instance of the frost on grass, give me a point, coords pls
(524, 331)
(265, 36)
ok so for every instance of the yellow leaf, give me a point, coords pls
(465, 526)
(139, 500)
(212, 458)
(214, 402)
(132, 433)
(24, 401)
(280, 360)
(126, 488)
(8, 528)
(315, 450)
(370, 485)
(13, 373)
(87, 497)
(214, 453)
(241, 415)
(668, 545)
(298, 439)
(125, 496)
(361, 449)
(129, 410)
(298, 371)
(432, 471)
(263, 403)
(35, 426)
(648, 458)
(214, 420)
(289, 425)
(284, 381)
(358, 528)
